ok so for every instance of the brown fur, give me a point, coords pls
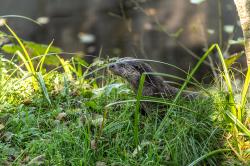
(132, 69)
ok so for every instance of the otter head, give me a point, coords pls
(130, 69)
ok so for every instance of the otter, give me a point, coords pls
(132, 69)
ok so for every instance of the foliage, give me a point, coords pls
(81, 116)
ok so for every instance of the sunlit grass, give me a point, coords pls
(70, 118)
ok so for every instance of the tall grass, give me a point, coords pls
(235, 115)
(27, 60)
(36, 72)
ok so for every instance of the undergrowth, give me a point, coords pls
(79, 114)
(66, 132)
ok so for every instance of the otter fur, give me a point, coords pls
(155, 86)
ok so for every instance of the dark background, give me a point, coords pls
(128, 28)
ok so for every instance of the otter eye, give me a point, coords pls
(112, 66)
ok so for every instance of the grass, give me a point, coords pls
(71, 117)
(34, 129)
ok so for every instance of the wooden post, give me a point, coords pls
(243, 8)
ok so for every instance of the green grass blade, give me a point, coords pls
(244, 92)
(224, 66)
(41, 62)
(23, 48)
(208, 155)
(170, 65)
(66, 66)
(151, 101)
(24, 61)
(202, 59)
(137, 110)
(228, 81)
(80, 63)
(177, 78)
(13, 64)
(238, 123)
(66, 86)
(43, 86)
(74, 68)
(207, 53)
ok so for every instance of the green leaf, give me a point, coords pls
(11, 48)
(40, 49)
(52, 60)
(229, 61)
(81, 61)
(43, 57)
(91, 104)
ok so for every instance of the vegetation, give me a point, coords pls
(79, 114)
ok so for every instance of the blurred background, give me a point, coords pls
(173, 31)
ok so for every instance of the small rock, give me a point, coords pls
(56, 122)
(93, 145)
(1, 126)
(6, 163)
(167, 157)
(82, 120)
(11, 158)
(140, 147)
(27, 101)
(100, 163)
(39, 160)
(25, 159)
(61, 116)
(8, 136)
(97, 120)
